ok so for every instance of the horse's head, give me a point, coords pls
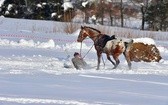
(82, 35)
(87, 31)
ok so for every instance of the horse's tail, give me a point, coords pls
(126, 52)
(128, 45)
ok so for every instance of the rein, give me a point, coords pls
(87, 51)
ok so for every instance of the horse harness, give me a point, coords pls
(101, 40)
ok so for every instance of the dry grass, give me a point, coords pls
(118, 31)
(71, 27)
(132, 33)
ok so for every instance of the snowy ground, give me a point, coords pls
(32, 73)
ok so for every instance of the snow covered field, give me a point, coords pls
(32, 73)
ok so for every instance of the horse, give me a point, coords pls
(111, 46)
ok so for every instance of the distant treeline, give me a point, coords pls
(153, 13)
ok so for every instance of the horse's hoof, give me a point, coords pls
(114, 67)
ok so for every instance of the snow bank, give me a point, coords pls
(29, 43)
(162, 49)
(49, 44)
(148, 41)
(76, 45)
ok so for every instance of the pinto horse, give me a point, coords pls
(105, 44)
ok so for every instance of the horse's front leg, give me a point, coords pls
(98, 59)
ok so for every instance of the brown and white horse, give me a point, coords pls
(114, 47)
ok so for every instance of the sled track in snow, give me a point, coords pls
(42, 101)
(127, 80)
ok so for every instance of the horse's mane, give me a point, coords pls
(93, 29)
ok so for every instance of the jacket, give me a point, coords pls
(79, 63)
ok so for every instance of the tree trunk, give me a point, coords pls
(122, 16)
(111, 19)
(86, 16)
(143, 18)
(102, 15)
(102, 22)
(161, 25)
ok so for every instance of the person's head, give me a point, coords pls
(76, 54)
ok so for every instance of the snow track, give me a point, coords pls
(42, 101)
(126, 80)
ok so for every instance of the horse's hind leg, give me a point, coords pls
(117, 61)
(127, 57)
(108, 57)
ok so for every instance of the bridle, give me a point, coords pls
(92, 37)
(81, 44)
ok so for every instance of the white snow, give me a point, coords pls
(41, 101)
(1, 2)
(7, 13)
(94, 17)
(67, 5)
(53, 14)
(76, 33)
(59, 16)
(9, 7)
(39, 5)
(142, 4)
(85, 3)
(44, 3)
(32, 73)
(148, 41)
(29, 43)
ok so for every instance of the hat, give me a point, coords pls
(76, 53)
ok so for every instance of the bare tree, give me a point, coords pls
(122, 13)
(87, 7)
(110, 10)
(143, 7)
(101, 10)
